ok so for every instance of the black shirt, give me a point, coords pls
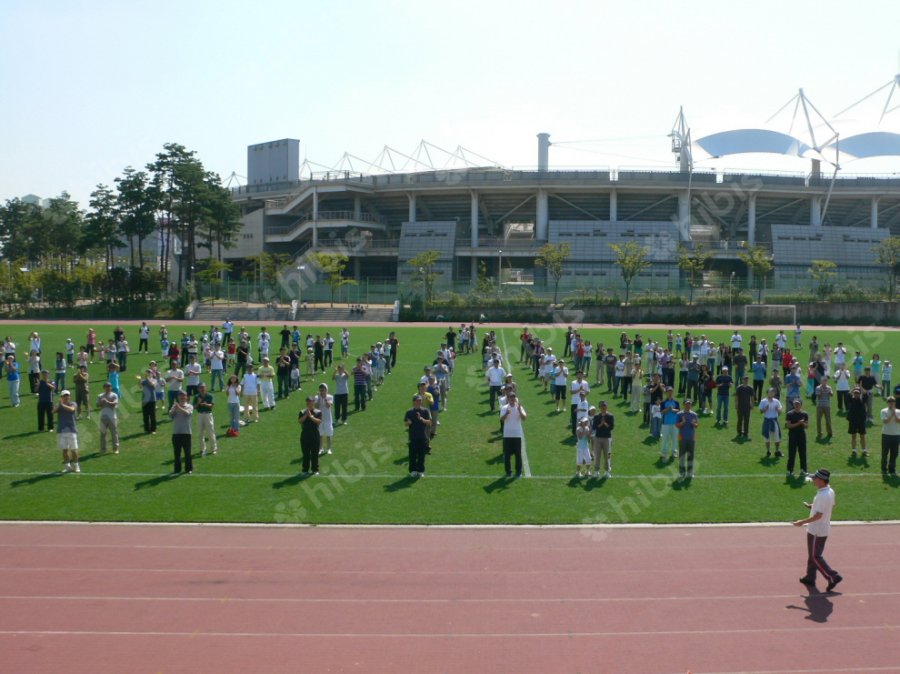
(418, 431)
(603, 431)
(793, 417)
(867, 382)
(309, 429)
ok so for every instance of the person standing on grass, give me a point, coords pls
(216, 368)
(512, 414)
(67, 432)
(12, 380)
(82, 391)
(771, 408)
(181, 414)
(603, 424)
(45, 389)
(325, 405)
(818, 527)
(341, 393)
(174, 379)
(744, 400)
(796, 421)
(669, 409)
(890, 437)
(233, 397)
(309, 419)
(250, 395)
(266, 375)
(723, 394)
(108, 402)
(759, 377)
(59, 380)
(418, 423)
(583, 448)
(283, 374)
(206, 426)
(686, 422)
(856, 422)
(148, 401)
(360, 375)
(823, 407)
(868, 384)
(144, 337)
(495, 376)
(192, 372)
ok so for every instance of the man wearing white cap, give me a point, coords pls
(67, 432)
(818, 526)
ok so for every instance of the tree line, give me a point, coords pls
(70, 253)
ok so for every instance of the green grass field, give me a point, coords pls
(255, 478)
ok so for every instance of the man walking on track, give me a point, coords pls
(818, 526)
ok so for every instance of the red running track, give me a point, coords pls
(110, 598)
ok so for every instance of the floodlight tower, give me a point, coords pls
(681, 142)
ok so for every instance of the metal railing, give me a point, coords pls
(324, 218)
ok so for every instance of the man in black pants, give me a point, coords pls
(818, 527)
(418, 421)
(797, 421)
(395, 344)
(512, 414)
(181, 414)
(309, 420)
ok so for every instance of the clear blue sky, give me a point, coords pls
(93, 86)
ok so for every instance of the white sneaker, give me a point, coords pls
(329, 451)
(77, 467)
(67, 468)
(202, 453)
(321, 452)
(608, 473)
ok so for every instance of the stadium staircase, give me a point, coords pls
(342, 315)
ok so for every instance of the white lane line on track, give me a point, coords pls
(487, 600)
(369, 572)
(194, 634)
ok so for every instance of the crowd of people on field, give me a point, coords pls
(190, 373)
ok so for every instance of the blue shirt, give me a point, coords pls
(759, 371)
(792, 386)
(670, 409)
(687, 431)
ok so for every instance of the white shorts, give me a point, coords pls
(67, 441)
(583, 455)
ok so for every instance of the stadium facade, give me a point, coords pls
(490, 218)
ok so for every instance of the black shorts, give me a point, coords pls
(857, 427)
(559, 392)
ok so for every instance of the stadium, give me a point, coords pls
(488, 219)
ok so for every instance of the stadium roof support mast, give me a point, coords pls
(681, 142)
(801, 102)
(891, 86)
(681, 145)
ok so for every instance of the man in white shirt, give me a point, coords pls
(495, 376)
(217, 368)
(771, 409)
(560, 384)
(511, 416)
(736, 340)
(818, 526)
(192, 371)
(578, 385)
(890, 437)
(250, 394)
(781, 340)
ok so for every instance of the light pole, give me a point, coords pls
(499, 272)
(300, 268)
(730, 296)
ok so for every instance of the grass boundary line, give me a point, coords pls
(298, 525)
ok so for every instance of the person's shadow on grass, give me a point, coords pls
(156, 481)
(35, 479)
(495, 459)
(500, 484)
(26, 434)
(290, 481)
(858, 461)
(402, 483)
(818, 606)
(892, 481)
